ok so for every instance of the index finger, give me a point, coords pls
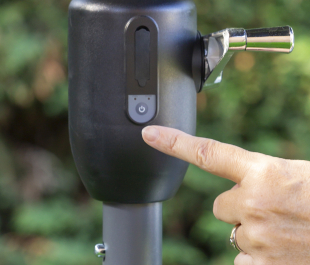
(224, 160)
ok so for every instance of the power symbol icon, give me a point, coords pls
(141, 108)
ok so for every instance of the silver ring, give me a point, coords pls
(233, 240)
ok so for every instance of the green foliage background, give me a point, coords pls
(46, 216)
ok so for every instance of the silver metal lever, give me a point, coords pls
(100, 251)
(221, 45)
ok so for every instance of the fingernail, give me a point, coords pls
(150, 134)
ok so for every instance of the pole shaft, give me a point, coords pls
(132, 234)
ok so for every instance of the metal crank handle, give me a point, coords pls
(218, 47)
(278, 39)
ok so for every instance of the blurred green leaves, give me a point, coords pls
(47, 219)
(181, 253)
(32, 44)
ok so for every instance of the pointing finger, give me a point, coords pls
(220, 159)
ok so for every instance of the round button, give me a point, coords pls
(142, 108)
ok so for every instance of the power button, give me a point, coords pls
(141, 108)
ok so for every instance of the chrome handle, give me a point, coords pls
(280, 39)
(220, 46)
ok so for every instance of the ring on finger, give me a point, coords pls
(233, 239)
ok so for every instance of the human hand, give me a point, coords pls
(271, 199)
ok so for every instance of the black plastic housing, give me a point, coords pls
(112, 159)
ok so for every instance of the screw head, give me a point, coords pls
(100, 250)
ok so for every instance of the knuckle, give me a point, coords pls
(242, 259)
(255, 209)
(216, 206)
(257, 236)
(205, 153)
(173, 142)
(237, 260)
(272, 166)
